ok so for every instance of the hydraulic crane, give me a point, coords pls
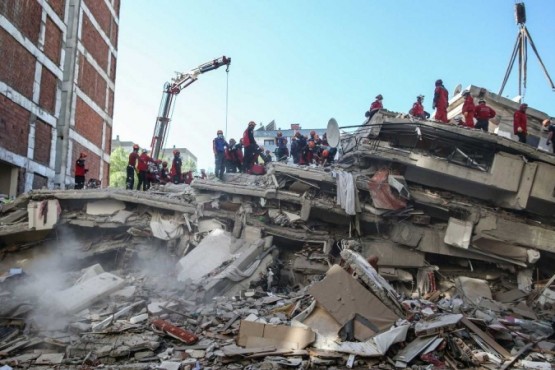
(171, 89)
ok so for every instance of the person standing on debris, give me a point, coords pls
(132, 167)
(549, 124)
(164, 173)
(468, 109)
(175, 171)
(80, 171)
(483, 114)
(142, 166)
(375, 106)
(250, 146)
(441, 102)
(229, 157)
(218, 147)
(417, 109)
(520, 123)
(281, 143)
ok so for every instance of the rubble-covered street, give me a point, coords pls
(397, 256)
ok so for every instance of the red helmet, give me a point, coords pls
(325, 153)
(135, 147)
(82, 154)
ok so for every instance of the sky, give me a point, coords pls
(306, 61)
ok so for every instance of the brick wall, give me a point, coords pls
(106, 175)
(101, 13)
(94, 43)
(58, 6)
(108, 140)
(53, 41)
(88, 123)
(17, 65)
(25, 15)
(112, 67)
(14, 126)
(43, 142)
(110, 102)
(92, 83)
(48, 88)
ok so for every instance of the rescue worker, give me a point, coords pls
(238, 149)
(142, 166)
(267, 157)
(281, 147)
(441, 102)
(80, 171)
(302, 145)
(229, 157)
(375, 106)
(188, 177)
(520, 123)
(164, 173)
(175, 171)
(417, 109)
(483, 114)
(468, 109)
(132, 167)
(218, 147)
(549, 124)
(333, 151)
(203, 174)
(250, 146)
(295, 150)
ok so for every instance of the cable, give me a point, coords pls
(226, 98)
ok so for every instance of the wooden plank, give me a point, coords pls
(486, 338)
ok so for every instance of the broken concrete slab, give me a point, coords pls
(436, 324)
(349, 298)
(104, 207)
(43, 215)
(84, 294)
(458, 233)
(253, 334)
(473, 290)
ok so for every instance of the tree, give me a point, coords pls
(189, 165)
(118, 168)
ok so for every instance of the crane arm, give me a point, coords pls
(171, 89)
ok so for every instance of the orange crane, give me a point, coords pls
(171, 90)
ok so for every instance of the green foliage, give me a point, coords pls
(118, 168)
(189, 165)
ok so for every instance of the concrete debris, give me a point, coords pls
(390, 258)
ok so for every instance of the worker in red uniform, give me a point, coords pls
(520, 123)
(441, 102)
(468, 109)
(164, 173)
(80, 171)
(417, 109)
(142, 166)
(175, 171)
(483, 114)
(375, 106)
(132, 167)
(250, 146)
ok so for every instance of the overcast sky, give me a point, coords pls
(307, 61)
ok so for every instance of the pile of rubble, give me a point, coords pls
(346, 267)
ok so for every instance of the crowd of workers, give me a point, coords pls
(247, 156)
(481, 112)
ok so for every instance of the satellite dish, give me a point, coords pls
(332, 133)
(457, 90)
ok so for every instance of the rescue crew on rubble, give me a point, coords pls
(281, 147)
(142, 166)
(483, 114)
(175, 171)
(520, 123)
(375, 106)
(80, 171)
(468, 109)
(417, 109)
(250, 146)
(441, 102)
(218, 146)
(132, 168)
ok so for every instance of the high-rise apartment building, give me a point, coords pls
(57, 80)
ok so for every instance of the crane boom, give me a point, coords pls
(171, 90)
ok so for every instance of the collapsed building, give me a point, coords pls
(425, 245)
